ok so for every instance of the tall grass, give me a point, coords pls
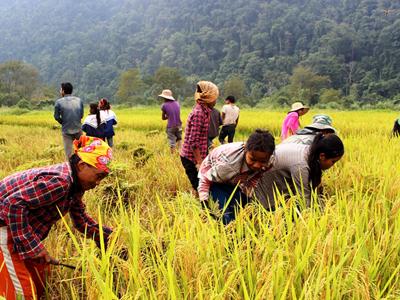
(350, 250)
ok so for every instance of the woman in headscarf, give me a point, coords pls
(32, 201)
(194, 148)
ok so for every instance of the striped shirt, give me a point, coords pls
(32, 201)
(289, 174)
(226, 164)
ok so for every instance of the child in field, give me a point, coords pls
(298, 169)
(321, 123)
(291, 123)
(171, 111)
(109, 118)
(230, 120)
(94, 125)
(194, 148)
(32, 201)
(235, 166)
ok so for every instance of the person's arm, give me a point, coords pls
(57, 112)
(164, 116)
(32, 195)
(194, 136)
(82, 109)
(293, 125)
(204, 182)
(237, 121)
(85, 224)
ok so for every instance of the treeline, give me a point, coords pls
(323, 52)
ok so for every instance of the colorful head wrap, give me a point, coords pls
(206, 92)
(94, 152)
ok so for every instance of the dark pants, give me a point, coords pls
(191, 171)
(221, 193)
(227, 131)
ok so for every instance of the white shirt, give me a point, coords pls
(231, 112)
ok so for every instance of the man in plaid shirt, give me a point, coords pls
(32, 201)
(195, 145)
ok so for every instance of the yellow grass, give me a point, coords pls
(351, 250)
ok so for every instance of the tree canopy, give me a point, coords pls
(353, 45)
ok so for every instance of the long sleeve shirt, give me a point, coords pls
(196, 132)
(289, 175)
(226, 164)
(290, 125)
(68, 111)
(32, 201)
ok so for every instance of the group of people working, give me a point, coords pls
(233, 174)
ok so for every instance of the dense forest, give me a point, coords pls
(266, 52)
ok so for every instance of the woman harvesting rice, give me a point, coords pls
(32, 201)
(298, 169)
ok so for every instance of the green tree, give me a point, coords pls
(169, 78)
(131, 87)
(305, 85)
(17, 77)
(235, 86)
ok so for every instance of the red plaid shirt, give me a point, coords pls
(196, 132)
(29, 202)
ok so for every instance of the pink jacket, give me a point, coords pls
(291, 122)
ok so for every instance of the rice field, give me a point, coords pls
(164, 246)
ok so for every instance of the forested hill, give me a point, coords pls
(353, 45)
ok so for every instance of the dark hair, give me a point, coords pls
(396, 129)
(104, 104)
(94, 110)
(331, 145)
(231, 99)
(67, 88)
(74, 159)
(261, 140)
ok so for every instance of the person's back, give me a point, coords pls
(215, 123)
(231, 112)
(173, 111)
(70, 109)
(290, 171)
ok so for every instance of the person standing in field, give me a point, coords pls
(110, 118)
(32, 201)
(396, 128)
(215, 123)
(68, 111)
(232, 171)
(194, 148)
(291, 122)
(171, 111)
(93, 125)
(297, 170)
(321, 123)
(230, 119)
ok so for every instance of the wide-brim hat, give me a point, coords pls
(321, 122)
(297, 106)
(167, 94)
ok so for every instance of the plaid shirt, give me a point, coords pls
(196, 132)
(29, 202)
(226, 164)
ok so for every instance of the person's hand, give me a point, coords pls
(44, 257)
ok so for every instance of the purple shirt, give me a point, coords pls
(173, 112)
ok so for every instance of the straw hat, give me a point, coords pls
(321, 122)
(167, 94)
(298, 105)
